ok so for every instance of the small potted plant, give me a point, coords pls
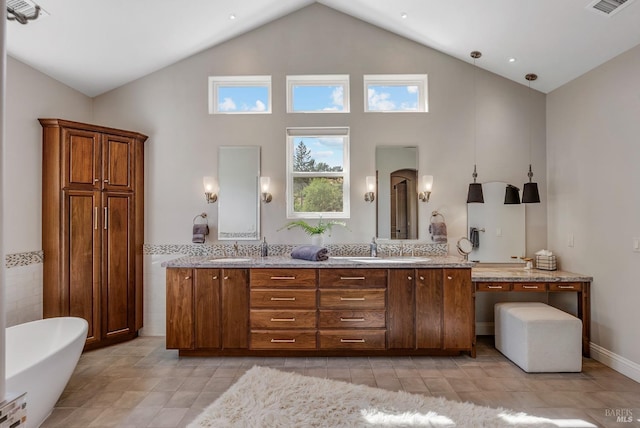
(316, 232)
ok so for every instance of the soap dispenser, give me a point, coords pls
(373, 248)
(264, 247)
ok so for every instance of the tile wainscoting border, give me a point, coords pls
(23, 259)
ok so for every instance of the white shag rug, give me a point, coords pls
(265, 397)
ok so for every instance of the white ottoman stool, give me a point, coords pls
(538, 337)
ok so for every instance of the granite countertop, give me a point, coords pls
(519, 274)
(333, 262)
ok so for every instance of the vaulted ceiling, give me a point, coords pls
(98, 45)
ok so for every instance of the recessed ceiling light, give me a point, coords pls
(404, 15)
(512, 59)
(232, 16)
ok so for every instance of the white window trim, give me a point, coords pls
(419, 80)
(292, 133)
(319, 80)
(216, 81)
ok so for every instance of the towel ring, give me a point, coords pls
(203, 215)
(435, 215)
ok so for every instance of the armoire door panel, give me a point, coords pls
(81, 160)
(118, 161)
(83, 261)
(117, 285)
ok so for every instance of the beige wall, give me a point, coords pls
(31, 95)
(171, 107)
(593, 150)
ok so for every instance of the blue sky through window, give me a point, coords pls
(329, 150)
(318, 98)
(243, 98)
(393, 97)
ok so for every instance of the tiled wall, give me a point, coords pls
(23, 288)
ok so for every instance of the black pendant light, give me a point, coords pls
(511, 195)
(530, 193)
(475, 189)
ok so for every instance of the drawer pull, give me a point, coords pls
(345, 278)
(534, 287)
(283, 319)
(499, 287)
(282, 278)
(283, 299)
(215, 276)
(422, 278)
(352, 299)
(226, 277)
(570, 287)
(187, 277)
(351, 319)
(352, 341)
(283, 341)
(450, 277)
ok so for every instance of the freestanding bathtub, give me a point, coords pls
(41, 356)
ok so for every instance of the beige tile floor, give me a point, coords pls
(141, 384)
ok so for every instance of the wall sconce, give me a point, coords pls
(210, 189)
(264, 189)
(370, 195)
(427, 185)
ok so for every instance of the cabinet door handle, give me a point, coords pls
(361, 278)
(215, 276)
(95, 180)
(352, 299)
(283, 341)
(422, 278)
(283, 320)
(106, 180)
(351, 319)
(283, 299)
(226, 277)
(450, 277)
(409, 278)
(282, 278)
(352, 341)
(187, 277)
(534, 287)
(106, 217)
(499, 287)
(95, 218)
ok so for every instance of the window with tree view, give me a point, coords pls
(317, 173)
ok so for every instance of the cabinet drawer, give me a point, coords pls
(565, 286)
(283, 339)
(494, 286)
(276, 299)
(267, 318)
(352, 339)
(366, 278)
(529, 286)
(352, 319)
(273, 278)
(353, 299)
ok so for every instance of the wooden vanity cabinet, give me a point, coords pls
(431, 309)
(352, 309)
(93, 227)
(207, 308)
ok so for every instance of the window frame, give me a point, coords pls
(314, 132)
(419, 80)
(215, 82)
(319, 80)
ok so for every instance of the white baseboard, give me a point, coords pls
(484, 329)
(616, 362)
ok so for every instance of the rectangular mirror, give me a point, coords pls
(500, 228)
(239, 194)
(397, 192)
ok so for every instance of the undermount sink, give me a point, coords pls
(389, 259)
(230, 260)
